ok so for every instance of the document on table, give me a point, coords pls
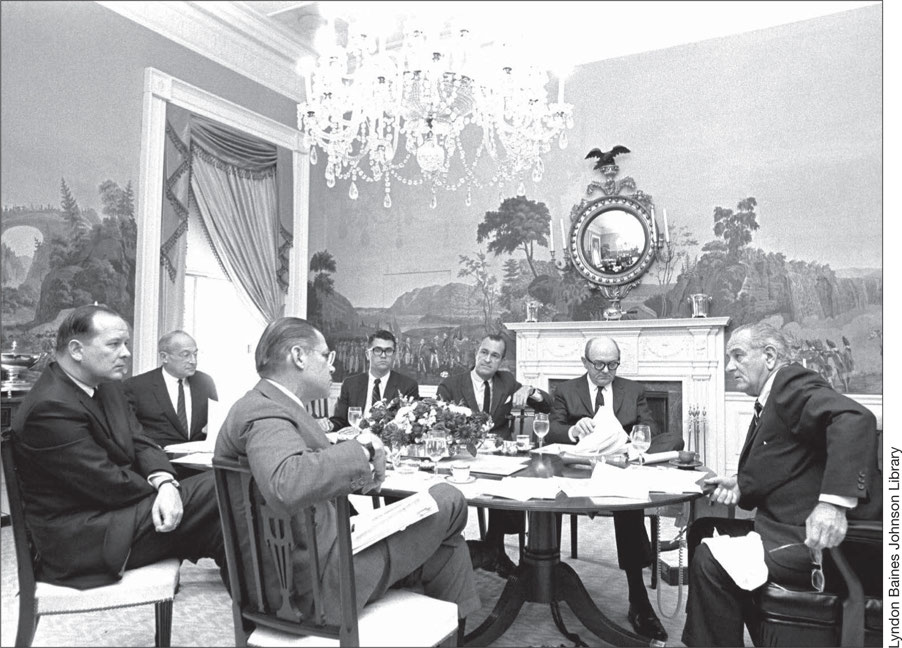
(495, 465)
(195, 458)
(521, 488)
(372, 526)
(189, 446)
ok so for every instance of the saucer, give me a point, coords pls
(451, 479)
(684, 466)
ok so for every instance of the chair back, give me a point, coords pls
(26, 555)
(520, 422)
(258, 539)
(319, 408)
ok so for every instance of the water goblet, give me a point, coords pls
(640, 437)
(354, 416)
(394, 453)
(436, 446)
(540, 427)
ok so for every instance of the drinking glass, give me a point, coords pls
(641, 439)
(354, 416)
(394, 454)
(540, 427)
(436, 445)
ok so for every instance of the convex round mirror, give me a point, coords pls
(611, 240)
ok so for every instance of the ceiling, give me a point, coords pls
(571, 32)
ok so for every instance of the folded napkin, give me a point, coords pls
(742, 557)
(608, 437)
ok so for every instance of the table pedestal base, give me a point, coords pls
(541, 577)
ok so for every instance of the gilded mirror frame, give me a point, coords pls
(581, 229)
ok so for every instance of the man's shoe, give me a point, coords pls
(480, 555)
(646, 623)
(504, 566)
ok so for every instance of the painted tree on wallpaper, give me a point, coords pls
(79, 258)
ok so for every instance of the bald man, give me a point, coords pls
(575, 404)
(171, 401)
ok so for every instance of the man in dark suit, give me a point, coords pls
(809, 461)
(485, 389)
(171, 401)
(575, 404)
(294, 463)
(100, 496)
(380, 382)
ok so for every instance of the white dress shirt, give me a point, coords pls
(479, 389)
(370, 380)
(172, 386)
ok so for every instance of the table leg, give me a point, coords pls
(505, 611)
(570, 589)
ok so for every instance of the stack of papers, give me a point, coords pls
(195, 459)
(369, 528)
(189, 446)
(498, 465)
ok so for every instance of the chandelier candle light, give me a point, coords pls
(438, 110)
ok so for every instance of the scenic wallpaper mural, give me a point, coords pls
(765, 149)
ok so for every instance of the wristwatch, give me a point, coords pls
(368, 445)
(170, 480)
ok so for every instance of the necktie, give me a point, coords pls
(756, 418)
(181, 411)
(486, 397)
(599, 399)
(376, 395)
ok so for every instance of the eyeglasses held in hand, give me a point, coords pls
(817, 564)
(383, 351)
(599, 365)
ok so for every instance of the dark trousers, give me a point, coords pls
(198, 535)
(716, 607)
(633, 546)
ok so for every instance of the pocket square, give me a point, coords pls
(509, 399)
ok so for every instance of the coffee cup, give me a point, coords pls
(523, 443)
(460, 471)
(686, 456)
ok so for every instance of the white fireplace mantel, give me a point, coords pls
(689, 351)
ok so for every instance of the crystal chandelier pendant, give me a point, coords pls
(353, 194)
(314, 158)
(562, 140)
(434, 202)
(469, 200)
(386, 201)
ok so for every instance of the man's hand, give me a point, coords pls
(167, 508)
(584, 427)
(726, 490)
(325, 424)
(521, 395)
(826, 526)
(378, 462)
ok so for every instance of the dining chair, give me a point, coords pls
(153, 584)
(319, 408)
(259, 540)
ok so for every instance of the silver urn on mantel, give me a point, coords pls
(16, 365)
(699, 303)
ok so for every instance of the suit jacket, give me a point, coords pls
(155, 411)
(572, 401)
(353, 394)
(459, 389)
(294, 466)
(810, 440)
(83, 468)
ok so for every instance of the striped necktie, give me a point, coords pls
(181, 411)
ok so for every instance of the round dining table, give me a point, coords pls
(541, 577)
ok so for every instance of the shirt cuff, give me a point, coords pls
(570, 434)
(156, 479)
(845, 502)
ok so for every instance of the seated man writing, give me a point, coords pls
(294, 464)
(100, 496)
(808, 462)
(601, 394)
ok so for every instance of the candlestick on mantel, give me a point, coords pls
(551, 236)
(654, 228)
(666, 227)
(563, 236)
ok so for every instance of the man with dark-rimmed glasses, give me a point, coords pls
(575, 404)
(378, 383)
(809, 461)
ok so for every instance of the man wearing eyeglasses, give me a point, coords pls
(808, 463)
(171, 401)
(378, 383)
(576, 403)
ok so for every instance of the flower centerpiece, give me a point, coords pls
(404, 421)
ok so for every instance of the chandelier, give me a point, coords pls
(437, 110)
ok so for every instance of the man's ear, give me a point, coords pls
(298, 357)
(770, 356)
(76, 349)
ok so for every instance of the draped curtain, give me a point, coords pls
(228, 181)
